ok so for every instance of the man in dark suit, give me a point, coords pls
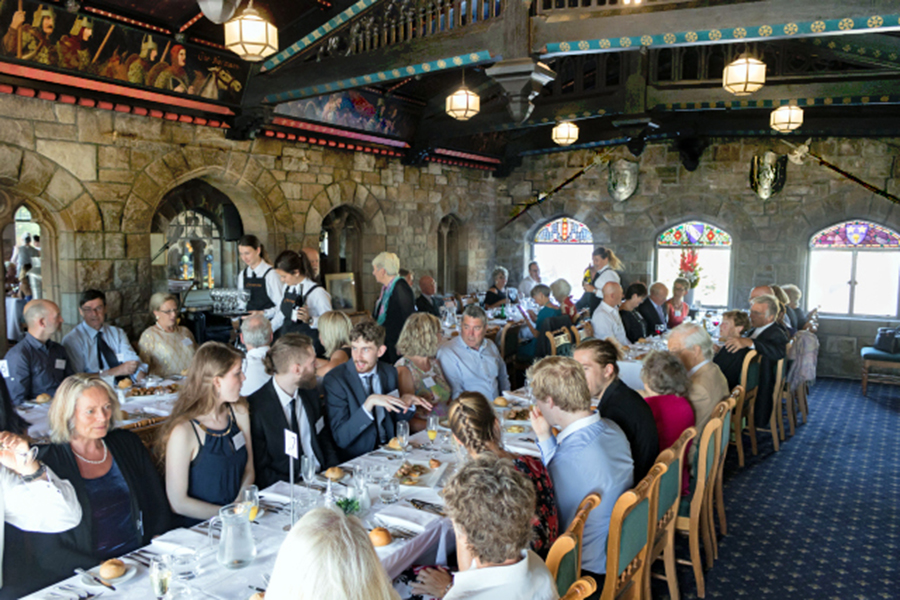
(770, 339)
(427, 302)
(652, 308)
(362, 396)
(619, 403)
(395, 303)
(289, 401)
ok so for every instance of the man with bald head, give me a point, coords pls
(37, 364)
(652, 308)
(313, 255)
(606, 320)
(427, 302)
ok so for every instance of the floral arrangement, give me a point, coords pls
(689, 267)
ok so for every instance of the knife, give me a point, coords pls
(94, 578)
(427, 507)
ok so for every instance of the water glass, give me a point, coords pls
(250, 497)
(390, 489)
(161, 575)
(307, 470)
(403, 434)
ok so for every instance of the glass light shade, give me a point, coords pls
(462, 104)
(565, 133)
(250, 36)
(786, 118)
(744, 76)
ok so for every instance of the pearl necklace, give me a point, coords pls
(94, 462)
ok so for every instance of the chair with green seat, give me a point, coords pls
(632, 527)
(564, 556)
(723, 410)
(667, 511)
(742, 409)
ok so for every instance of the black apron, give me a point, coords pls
(290, 302)
(259, 297)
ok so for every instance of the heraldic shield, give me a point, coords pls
(768, 174)
(623, 179)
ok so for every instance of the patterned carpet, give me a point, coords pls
(821, 518)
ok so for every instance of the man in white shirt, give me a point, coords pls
(533, 278)
(606, 319)
(256, 335)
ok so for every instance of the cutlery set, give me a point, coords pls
(435, 509)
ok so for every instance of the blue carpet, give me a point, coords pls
(821, 518)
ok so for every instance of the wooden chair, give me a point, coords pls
(774, 426)
(724, 410)
(666, 513)
(692, 518)
(632, 527)
(749, 386)
(581, 589)
(561, 341)
(564, 557)
(785, 398)
(584, 330)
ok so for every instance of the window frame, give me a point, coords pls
(730, 247)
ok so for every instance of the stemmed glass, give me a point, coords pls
(161, 575)
(403, 435)
(432, 429)
(307, 470)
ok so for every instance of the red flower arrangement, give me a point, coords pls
(689, 267)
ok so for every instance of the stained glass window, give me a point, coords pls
(856, 234)
(564, 231)
(693, 234)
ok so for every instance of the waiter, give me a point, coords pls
(266, 289)
(304, 300)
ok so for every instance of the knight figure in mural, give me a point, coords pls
(623, 179)
(32, 42)
(73, 48)
(768, 174)
(139, 65)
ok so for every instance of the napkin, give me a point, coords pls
(408, 518)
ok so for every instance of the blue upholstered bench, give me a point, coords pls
(879, 359)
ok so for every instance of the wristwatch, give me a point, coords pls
(42, 470)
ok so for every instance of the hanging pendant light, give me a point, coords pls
(744, 76)
(250, 36)
(565, 133)
(463, 104)
(786, 118)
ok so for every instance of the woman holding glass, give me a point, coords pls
(418, 371)
(206, 440)
(121, 496)
(165, 346)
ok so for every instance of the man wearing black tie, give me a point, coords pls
(362, 398)
(288, 401)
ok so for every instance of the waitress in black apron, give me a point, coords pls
(266, 289)
(605, 263)
(304, 300)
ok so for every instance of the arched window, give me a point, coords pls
(452, 268)
(562, 249)
(699, 252)
(854, 269)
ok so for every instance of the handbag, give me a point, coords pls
(888, 340)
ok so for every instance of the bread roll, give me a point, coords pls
(501, 401)
(258, 596)
(395, 444)
(112, 569)
(42, 398)
(380, 537)
(334, 473)
(124, 384)
(434, 463)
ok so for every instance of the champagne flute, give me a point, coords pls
(307, 470)
(432, 428)
(161, 575)
(403, 435)
(250, 498)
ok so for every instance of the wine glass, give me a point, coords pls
(250, 497)
(307, 470)
(432, 429)
(161, 575)
(403, 435)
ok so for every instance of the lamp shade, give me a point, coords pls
(463, 104)
(786, 118)
(250, 36)
(565, 133)
(744, 76)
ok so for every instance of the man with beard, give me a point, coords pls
(34, 43)
(73, 48)
(289, 401)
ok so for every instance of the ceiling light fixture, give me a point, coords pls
(463, 104)
(786, 118)
(250, 36)
(565, 133)
(744, 76)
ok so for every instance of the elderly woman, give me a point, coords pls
(120, 493)
(783, 315)
(632, 320)
(165, 346)
(560, 290)
(328, 556)
(676, 308)
(497, 294)
(334, 335)
(491, 505)
(734, 324)
(395, 304)
(418, 371)
(796, 314)
(206, 439)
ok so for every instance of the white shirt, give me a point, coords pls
(274, 289)
(305, 433)
(254, 371)
(318, 302)
(696, 368)
(526, 286)
(607, 322)
(528, 579)
(759, 330)
(604, 276)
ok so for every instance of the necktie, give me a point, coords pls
(379, 411)
(104, 352)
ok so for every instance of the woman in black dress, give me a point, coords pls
(632, 320)
(497, 295)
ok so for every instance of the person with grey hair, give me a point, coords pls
(606, 319)
(770, 340)
(497, 294)
(37, 364)
(692, 345)
(470, 362)
(797, 316)
(530, 280)
(396, 302)
(667, 384)
(256, 335)
(653, 308)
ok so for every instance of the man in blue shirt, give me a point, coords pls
(472, 363)
(589, 455)
(95, 347)
(37, 364)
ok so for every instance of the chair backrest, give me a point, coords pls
(560, 342)
(509, 340)
(632, 527)
(581, 589)
(564, 557)
(542, 346)
(468, 299)
(724, 411)
(670, 482)
(750, 373)
(583, 331)
(706, 462)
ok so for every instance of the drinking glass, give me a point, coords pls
(660, 329)
(403, 435)
(307, 470)
(432, 428)
(161, 575)
(390, 489)
(250, 497)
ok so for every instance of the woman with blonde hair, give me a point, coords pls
(328, 556)
(121, 496)
(206, 440)
(676, 308)
(334, 335)
(165, 346)
(418, 371)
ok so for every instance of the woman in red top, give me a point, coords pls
(676, 308)
(560, 289)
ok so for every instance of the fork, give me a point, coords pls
(77, 591)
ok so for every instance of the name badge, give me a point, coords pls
(677, 313)
(239, 441)
(186, 342)
(428, 382)
(320, 425)
(290, 444)
(120, 357)
(60, 363)
(4, 368)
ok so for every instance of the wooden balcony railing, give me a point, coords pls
(551, 6)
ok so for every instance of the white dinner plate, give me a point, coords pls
(130, 571)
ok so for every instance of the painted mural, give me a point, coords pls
(47, 35)
(354, 109)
